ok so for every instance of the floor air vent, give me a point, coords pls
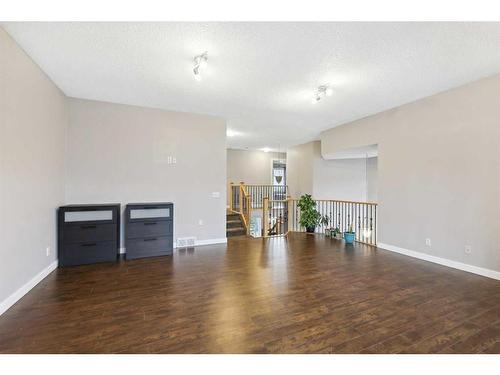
(186, 241)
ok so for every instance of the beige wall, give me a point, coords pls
(299, 169)
(251, 167)
(33, 118)
(342, 179)
(119, 153)
(438, 172)
(372, 179)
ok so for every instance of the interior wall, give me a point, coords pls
(251, 166)
(438, 172)
(372, 179)
(299, 169)
(33, 119)
(120, 153)
(341, 179)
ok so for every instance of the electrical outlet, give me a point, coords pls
(428, 242)
(47, 251)
(200, 222)
(468, 249)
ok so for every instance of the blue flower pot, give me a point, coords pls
(349, 237)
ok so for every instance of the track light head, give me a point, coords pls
(200, 63)
(322, 91)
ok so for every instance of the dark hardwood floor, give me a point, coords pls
(304, 294)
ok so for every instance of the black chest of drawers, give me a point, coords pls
(149, 229)
(88, 234)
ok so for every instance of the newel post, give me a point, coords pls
(230, 193)
(265, 223)
(242, 190)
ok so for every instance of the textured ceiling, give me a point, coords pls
(261, 76)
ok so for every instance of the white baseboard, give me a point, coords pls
(18, 294)
(213, 241)
(442, 261)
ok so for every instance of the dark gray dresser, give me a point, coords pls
(149, 229)
(88, 233)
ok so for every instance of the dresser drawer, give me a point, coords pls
(76, 233)
(146, 247)
(89, 252)
(149, 229)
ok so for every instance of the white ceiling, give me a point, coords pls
(261, 76)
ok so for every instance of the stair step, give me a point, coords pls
(231, 232)
(235, 229)
(234, 224)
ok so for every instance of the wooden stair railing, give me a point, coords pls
(360, 216)
(257, 194)
(246, 207)
(240, 202)
(275, 217)
(280, 213)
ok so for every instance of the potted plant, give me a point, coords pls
(309, 216)
(350, 235)
(336, 233)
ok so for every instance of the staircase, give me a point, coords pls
(234, 225)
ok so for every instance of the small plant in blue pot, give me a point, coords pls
(350, 235)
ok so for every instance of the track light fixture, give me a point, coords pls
(200, 62)
(321, 92)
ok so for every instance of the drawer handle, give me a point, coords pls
(150, 223)
(89, 244)
(150, 239)
(89, 226)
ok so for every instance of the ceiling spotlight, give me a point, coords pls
(232, 133)
(266, 149)
(200, 63)
(322, 91)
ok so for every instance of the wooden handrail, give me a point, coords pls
(340, 201)
(245, 206)
(361, 216)
(266, 185)
(245, 197)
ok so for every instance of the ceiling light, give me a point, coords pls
(232, 133)
(200, 63)
(266, 149)
(321, 92)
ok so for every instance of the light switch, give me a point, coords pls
(215, 194)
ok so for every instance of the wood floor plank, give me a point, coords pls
(301, 294)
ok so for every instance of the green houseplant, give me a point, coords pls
(309, 215)
(336, 233)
